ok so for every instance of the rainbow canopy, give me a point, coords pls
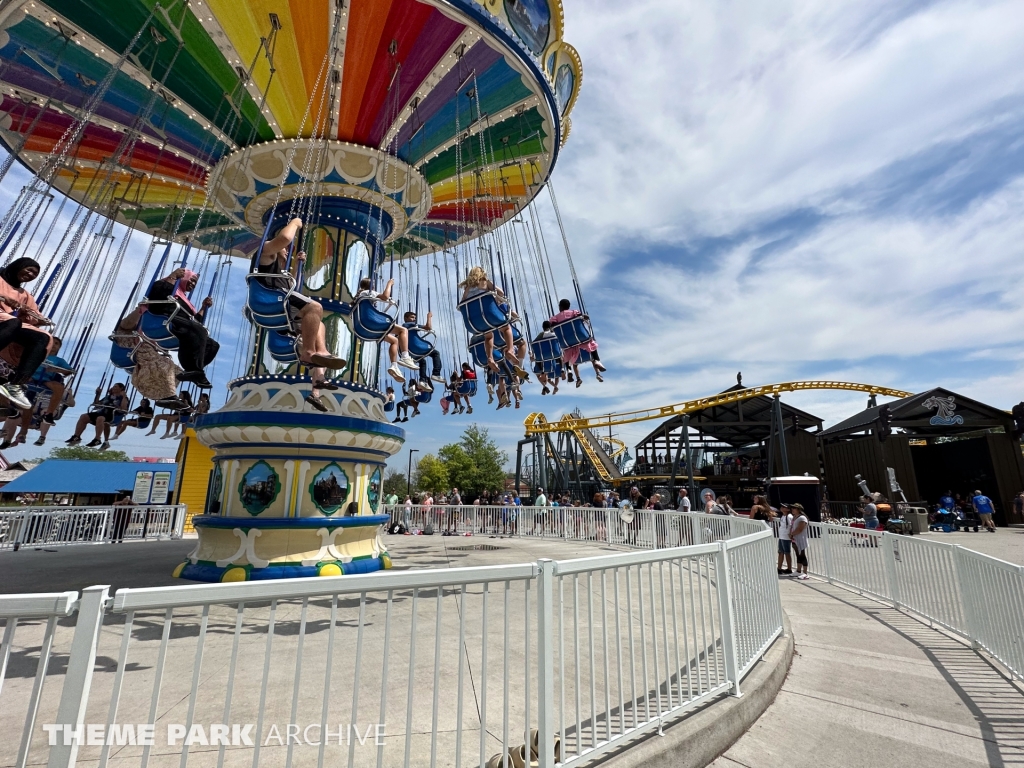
(473, 95)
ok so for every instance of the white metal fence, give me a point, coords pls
(642, 529)
(552, 661)
(59, 526)
(978, 597)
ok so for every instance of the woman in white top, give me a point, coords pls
(798, 533)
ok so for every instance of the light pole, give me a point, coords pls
(408, 477)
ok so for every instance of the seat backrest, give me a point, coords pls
(573, 331)
(482, 313)
(419, 345)
(368, 322)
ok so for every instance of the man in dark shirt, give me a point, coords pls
(100, 414)
(196, 349)
(409, 321)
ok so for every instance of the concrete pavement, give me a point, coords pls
(870, 686)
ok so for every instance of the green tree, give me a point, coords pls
(460, 468)
(475, 463)
(81, 453)
(431, 474)
(395, 482)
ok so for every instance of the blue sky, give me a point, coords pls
(792, 190)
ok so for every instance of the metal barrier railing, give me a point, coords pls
(643, 529)
(978, 597)
(551, 661)
(60, 526)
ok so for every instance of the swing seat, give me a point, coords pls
(370, 323)
(268, 307)
(121, 357)
(548, 367)
(483, 312)
(478, 351)
(389, 407)
(546, 349)
(424, 397)
(156, 328)
(468, 388)
(421, 343)
(283, 347)
(574, 331)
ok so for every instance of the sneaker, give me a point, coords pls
(316, 402)
(93, 443)
(426, 385)
(438, 378)
(396, 374)
(73, 440)
(105, 445)
(48, 418)
(40, 440)
(5, 445)
(600, 368)
(469, 409)
(406, 361)
(16, 394)
(803, 577)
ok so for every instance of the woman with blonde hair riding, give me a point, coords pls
(476, 283)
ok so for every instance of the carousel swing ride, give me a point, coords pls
(382, 149)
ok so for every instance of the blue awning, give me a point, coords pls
(84, 477)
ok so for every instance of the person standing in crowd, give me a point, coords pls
(660, 521)
(798, 534)
(761, 510)
(785, 543)
(121, 515)
(1018, 505)
(983, 506)
(870, 513)
(682, 501)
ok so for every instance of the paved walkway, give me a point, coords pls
(870, 686)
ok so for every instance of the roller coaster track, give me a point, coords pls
(537, 424)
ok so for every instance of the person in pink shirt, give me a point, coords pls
(571, 355)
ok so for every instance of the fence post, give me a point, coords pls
(967, 597)
(545, 664)
(695, 529)
(26, 521)
(826, 540)
(889, 556)
(732, 667)
(181, 512)
(81, 661)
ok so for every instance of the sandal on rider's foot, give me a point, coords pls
(330, 386)
(316, 402)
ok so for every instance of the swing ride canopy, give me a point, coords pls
(446, 114)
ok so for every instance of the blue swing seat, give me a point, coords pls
(483, 312)
(156, 328)
(122, 357)
(419, 344)
(467, 388)
(574, 331)
(389, 406)
(546, 349)
(424, 397)
(283, 347)
(478, 350)
(548, 367)
(268, 307)
(370, 323)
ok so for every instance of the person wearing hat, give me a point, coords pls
(798, 533)
(983, 506)
(785, 542)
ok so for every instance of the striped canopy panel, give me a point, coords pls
(409, 76)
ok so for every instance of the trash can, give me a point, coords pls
(918, 518)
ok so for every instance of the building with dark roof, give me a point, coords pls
(941, 441)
